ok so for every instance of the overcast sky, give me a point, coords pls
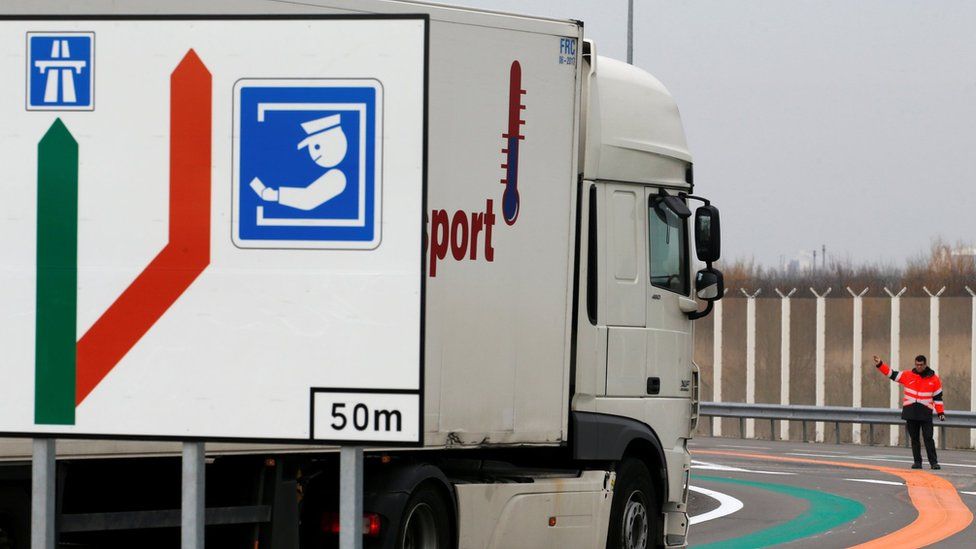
(850, 124)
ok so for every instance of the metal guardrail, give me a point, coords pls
(827, 414)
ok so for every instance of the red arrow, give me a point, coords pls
(186, 254)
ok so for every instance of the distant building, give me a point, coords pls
(965, 252)
(802, 261)
(947, 253)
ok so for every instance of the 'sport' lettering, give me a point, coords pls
(460, 232)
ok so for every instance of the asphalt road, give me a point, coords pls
(750, 493)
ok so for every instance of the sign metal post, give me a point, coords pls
(350, 497)
(194, 488)
(43, 482)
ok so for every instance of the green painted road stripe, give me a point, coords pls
(57, 277)
(826, 511)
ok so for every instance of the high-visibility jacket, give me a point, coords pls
(923, 392)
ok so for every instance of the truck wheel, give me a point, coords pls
(426, 521)
(635, 516)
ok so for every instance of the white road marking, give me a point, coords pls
(910, 461)
(865, 458)
(726, 505)
(695, 464)
(743, 447)
(968, 493)
(876, 481)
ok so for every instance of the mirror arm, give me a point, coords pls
(703, 313)
(693, 197)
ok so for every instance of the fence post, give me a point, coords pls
(717, 364)
(895, 356)
(972, 369)
(934, 339)
(856, 362)
(784, 358)
(750, 358)
(821, 368)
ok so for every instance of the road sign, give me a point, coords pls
(60, 71)
(308, 163)
(230, 246)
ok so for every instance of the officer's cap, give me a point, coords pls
(317, 126)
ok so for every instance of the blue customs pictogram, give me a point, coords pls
(307, 163)
(60, 71)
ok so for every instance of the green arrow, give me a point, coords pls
(57, 277)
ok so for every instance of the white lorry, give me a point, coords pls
(559, 391)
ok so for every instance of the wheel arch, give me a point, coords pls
(605, 437)
(389, 487)
(642, 449)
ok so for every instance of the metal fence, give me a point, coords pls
(782, 349)
(825, 414)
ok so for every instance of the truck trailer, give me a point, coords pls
(561, 233)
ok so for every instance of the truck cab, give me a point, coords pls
(636, 386)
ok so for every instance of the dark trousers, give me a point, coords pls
(926, 428)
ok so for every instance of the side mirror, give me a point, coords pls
(708, 234)
(709, 285)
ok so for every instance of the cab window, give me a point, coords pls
(668, 250)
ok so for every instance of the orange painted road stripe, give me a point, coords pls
(186, 254)
(941, 513)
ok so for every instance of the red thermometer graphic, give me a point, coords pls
(510, 200)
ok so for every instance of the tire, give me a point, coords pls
(426, 521)
(635, 513)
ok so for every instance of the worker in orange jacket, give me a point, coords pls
(923, 395)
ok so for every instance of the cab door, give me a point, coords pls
(669, 284)
(626, 288)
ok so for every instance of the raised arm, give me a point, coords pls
(886, 370)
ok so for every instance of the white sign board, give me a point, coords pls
(213, 227)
